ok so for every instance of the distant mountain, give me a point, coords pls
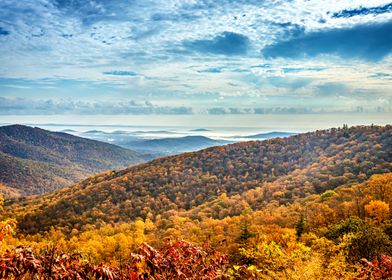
(279, 169)
(155, 132)
(200, 129)
(33, 160)
(272, 134)
(94, 132)
(116, 137)
(156, 147)
(173, 145)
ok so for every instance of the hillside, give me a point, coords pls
(34, 161)
(278, 169)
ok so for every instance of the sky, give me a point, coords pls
(184, 57)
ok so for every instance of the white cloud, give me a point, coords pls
(81, 41)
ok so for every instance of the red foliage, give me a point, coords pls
(181, 260)
(376, 269)
(22, 264)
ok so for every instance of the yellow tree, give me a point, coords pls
(378, 210)
(381, 187)
(7, 226)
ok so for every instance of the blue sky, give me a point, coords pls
(194, 56)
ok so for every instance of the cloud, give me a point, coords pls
(90, 11)
(263, 66)
(4, 32)
(226, 43)
(363, 11)
(286, 83)
(370, 42)
(289, 29)
(381, 75)
(332, 89)
(121, 73)
(23, 106)
(211, 70)
(99, 49)
(216, 111)
(301, 69)
(184, 16)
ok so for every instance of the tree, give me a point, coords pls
(7, 227)
(245, 233)
(300, 226)
(381, 187)
(378, 210)
(360, 239)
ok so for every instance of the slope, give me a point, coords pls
(33, 160)
(300, 165)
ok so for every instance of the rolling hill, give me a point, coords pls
(34, 161)
(282, 169)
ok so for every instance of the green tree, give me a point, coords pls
(300, 226)
(360, 239)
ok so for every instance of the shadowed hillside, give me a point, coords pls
(33, 160)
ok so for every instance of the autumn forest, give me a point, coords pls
(310, 206)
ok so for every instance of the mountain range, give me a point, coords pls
(34, 161)
(173, 145)
(250, 173)
(161, 145)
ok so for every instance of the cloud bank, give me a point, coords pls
(201, 55)
(367, 42)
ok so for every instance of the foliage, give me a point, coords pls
(250, 175)
(352, 224)
(381, 187)
(361, 239)
(22, 264)
(300, 225)
(377, 210)
(305, 207)
(180, 260)
(376, 269)
(7, 226)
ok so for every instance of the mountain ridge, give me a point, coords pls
(35, 160)
(170, 145)
(297, 166)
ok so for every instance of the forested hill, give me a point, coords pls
(293, 167)
(33, 160)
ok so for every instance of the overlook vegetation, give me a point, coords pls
(34, 161)
(311, 206)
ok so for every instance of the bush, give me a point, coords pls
(360, 239)
(376, 269)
